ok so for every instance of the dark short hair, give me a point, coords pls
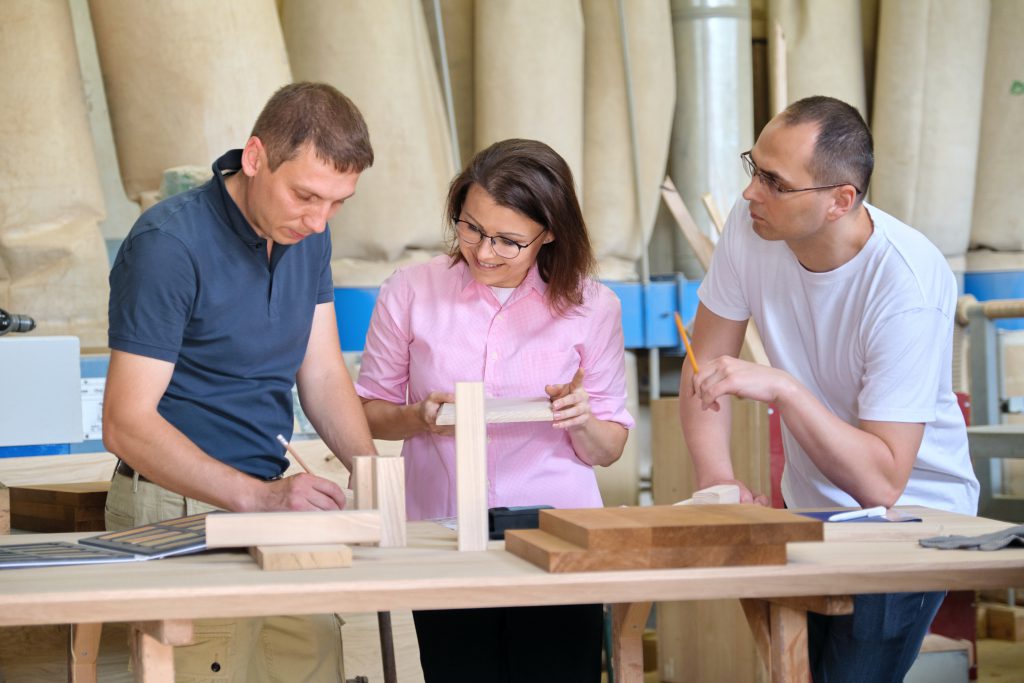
(844, 150)
(530, 178)
(318, 114)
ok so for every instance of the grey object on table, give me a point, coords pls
(996, 540)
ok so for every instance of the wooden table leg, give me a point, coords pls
(779, 626)
(83, 648)
(152, 648)
(628, 621)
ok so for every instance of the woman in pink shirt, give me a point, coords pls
(514, 305)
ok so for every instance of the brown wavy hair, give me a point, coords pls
(530, 178)
(317, 114)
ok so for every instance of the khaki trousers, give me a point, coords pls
(289, 649)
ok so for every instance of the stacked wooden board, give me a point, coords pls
(59, 507)
(661, 536)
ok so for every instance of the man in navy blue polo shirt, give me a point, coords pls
(221, 300)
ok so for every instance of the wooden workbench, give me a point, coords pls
(431, 574)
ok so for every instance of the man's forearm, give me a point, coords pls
(707, 436)
(165, 456)
(338, 417)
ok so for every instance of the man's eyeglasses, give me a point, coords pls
(772, 183)
(502, 246)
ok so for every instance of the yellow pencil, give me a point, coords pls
(686, 343)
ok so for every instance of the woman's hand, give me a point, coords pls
(427, 411)
(570, 403)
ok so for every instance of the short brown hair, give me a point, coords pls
(530, 178)
(318, 114)
(844, 149)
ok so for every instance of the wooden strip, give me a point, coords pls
(700, 243)
(83, 649)
(167, 631)
(790, 661)
(628, 621)
(757, 613)
(244, 529)
(830, 605)
(389, 495)
(151, 660)
(501, 410)
(471, 466)
(288, 557)
(362, 481)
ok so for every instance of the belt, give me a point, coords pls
(127, 470)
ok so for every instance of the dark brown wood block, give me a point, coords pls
(554, 554)
(675, 525)
(661, 537)
(59, 507)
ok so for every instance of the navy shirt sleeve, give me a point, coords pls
(325, 288)
(152, 293)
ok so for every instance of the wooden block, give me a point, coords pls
(244, 529)
(497, 410)
(5, 510)
(1005, 622)
(719, 494)
(624, 529)
(554, 554)
(59, 507)
(389, 499)
(981, 622)
(362, 481)
(287, 557)
(471, 466)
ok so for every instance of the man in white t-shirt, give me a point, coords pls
(856, 312)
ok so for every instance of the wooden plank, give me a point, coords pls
(555, 554)
(389, 497)
(362, 481)
(790, 663)
(628, 621)
(83, 649)
(758, 614)
(167, 631)
(700, 243)
(471, 466)
(59, 507)
(502, 410)
(54, 469)
(288, 557)
(244, 529)
(670, 526)
(830, 605)
(152, 661)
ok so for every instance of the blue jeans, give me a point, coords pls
(878, 643)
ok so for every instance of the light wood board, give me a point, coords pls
(312, 556)
(499, 410)
(244, 529)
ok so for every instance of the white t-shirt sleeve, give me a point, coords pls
(904, 359)
(722, 291)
